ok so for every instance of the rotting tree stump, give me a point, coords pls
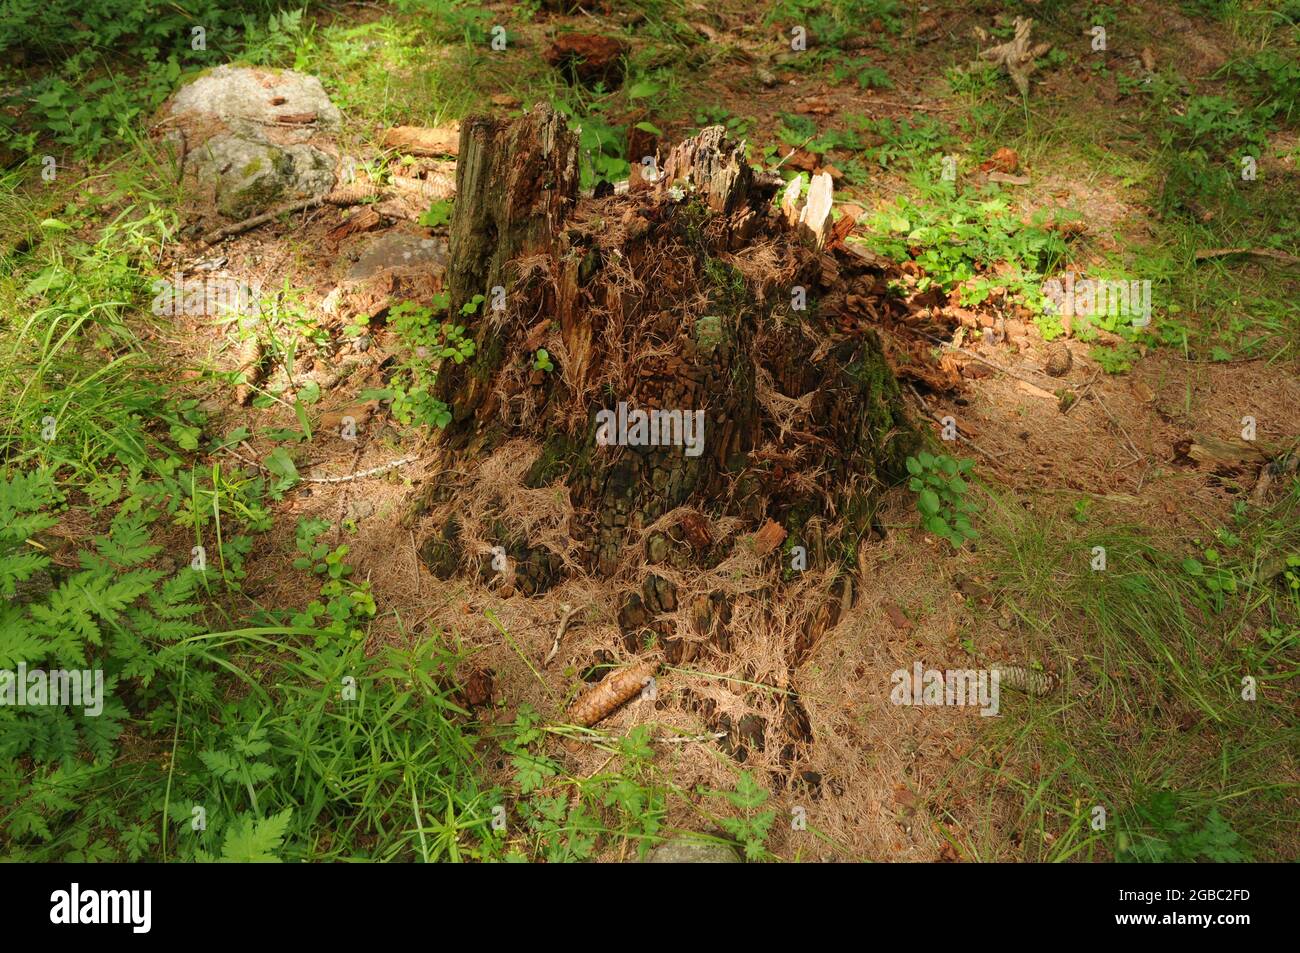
(694, 295)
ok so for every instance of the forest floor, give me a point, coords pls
(1170, 448)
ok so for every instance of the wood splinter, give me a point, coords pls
(568, 612)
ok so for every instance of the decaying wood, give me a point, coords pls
(714, 166)
(363, 221)
(424, 141)
(767, 539)
(1211, 451)
(615, 690)
(517, 184)
(673, 299)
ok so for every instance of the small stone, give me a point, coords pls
(685, 849)
(359, 509)
(399, 250)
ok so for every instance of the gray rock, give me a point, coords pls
(359, 510)
(398, 250)
(685, 849)
(249, 99)
(252, 138)
(249, 175)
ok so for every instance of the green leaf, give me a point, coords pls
(928, 502)
(281, 464)
(300, 409)
(939, 526)
(309, 393)
(251, 841)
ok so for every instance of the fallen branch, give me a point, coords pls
(373, 471)
(960, 436)
(352, 195)
(1257, 252)
(1081, 394)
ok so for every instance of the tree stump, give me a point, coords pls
(750, 351)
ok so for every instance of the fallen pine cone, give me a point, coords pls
(1059, 360)
(1026, 680)
(613, 691)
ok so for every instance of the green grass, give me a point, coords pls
(293, 743)
(1148, 721)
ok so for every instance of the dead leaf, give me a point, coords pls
(1003, 160)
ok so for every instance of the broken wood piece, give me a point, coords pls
(363, 221)
(767, 539)
(1211, 451)
(816, 215)
(1035, 391)
(424, 141)
(790, 200)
